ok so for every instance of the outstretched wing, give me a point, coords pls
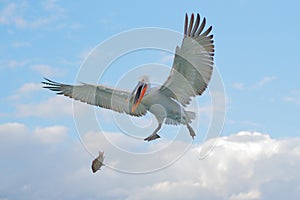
(193, 63)
(97, 95)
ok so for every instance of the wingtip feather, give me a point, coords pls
(185, 24)
(191, 24)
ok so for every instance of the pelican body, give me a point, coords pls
(166, 109)
(189, 77)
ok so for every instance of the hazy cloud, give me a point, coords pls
(293, 97)
(255, 194)
(52, 134)
(48, 71)
(13, 63)
(55, 106)
(239, 86)
(265, 80)
(30, 87)
(26, 91)
(28, 103)
(20, 44)
(16, 14)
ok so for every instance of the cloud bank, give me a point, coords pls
(246, 165)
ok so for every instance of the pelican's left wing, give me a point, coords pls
(98, 95)
(193, 63)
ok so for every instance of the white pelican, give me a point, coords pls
(190, 74)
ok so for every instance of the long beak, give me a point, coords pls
(139, 92)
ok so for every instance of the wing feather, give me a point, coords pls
(201, 26)
(191, 25)
(98, 95)
(193, 63)
(196, 25)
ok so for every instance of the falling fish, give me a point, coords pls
(98, 162)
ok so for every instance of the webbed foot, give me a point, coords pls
(152, 137)
(192, 132)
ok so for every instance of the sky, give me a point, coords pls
(48, 142)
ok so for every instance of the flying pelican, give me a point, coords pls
(189, 77)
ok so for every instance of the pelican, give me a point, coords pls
(190, 74)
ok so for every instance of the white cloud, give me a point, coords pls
(20, 44)
(16, 14)
(17, 131)
(254, 194)
(13, 63)
(52, 5)
(6, 13)
(30, 87)
(48, 71)
(294, 97)
(52, 134)
(53, 107)
(239, 167)
(265, 80)
(26, 91)
(247, 165)
(13, 129)
(239, 86)
(27, 103)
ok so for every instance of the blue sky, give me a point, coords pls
(256, 55)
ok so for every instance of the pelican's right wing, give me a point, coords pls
(98, 95)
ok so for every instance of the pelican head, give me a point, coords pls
(139, 92)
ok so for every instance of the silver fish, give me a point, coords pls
(98, 162)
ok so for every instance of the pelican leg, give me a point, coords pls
(154, 135)
(192, 132)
